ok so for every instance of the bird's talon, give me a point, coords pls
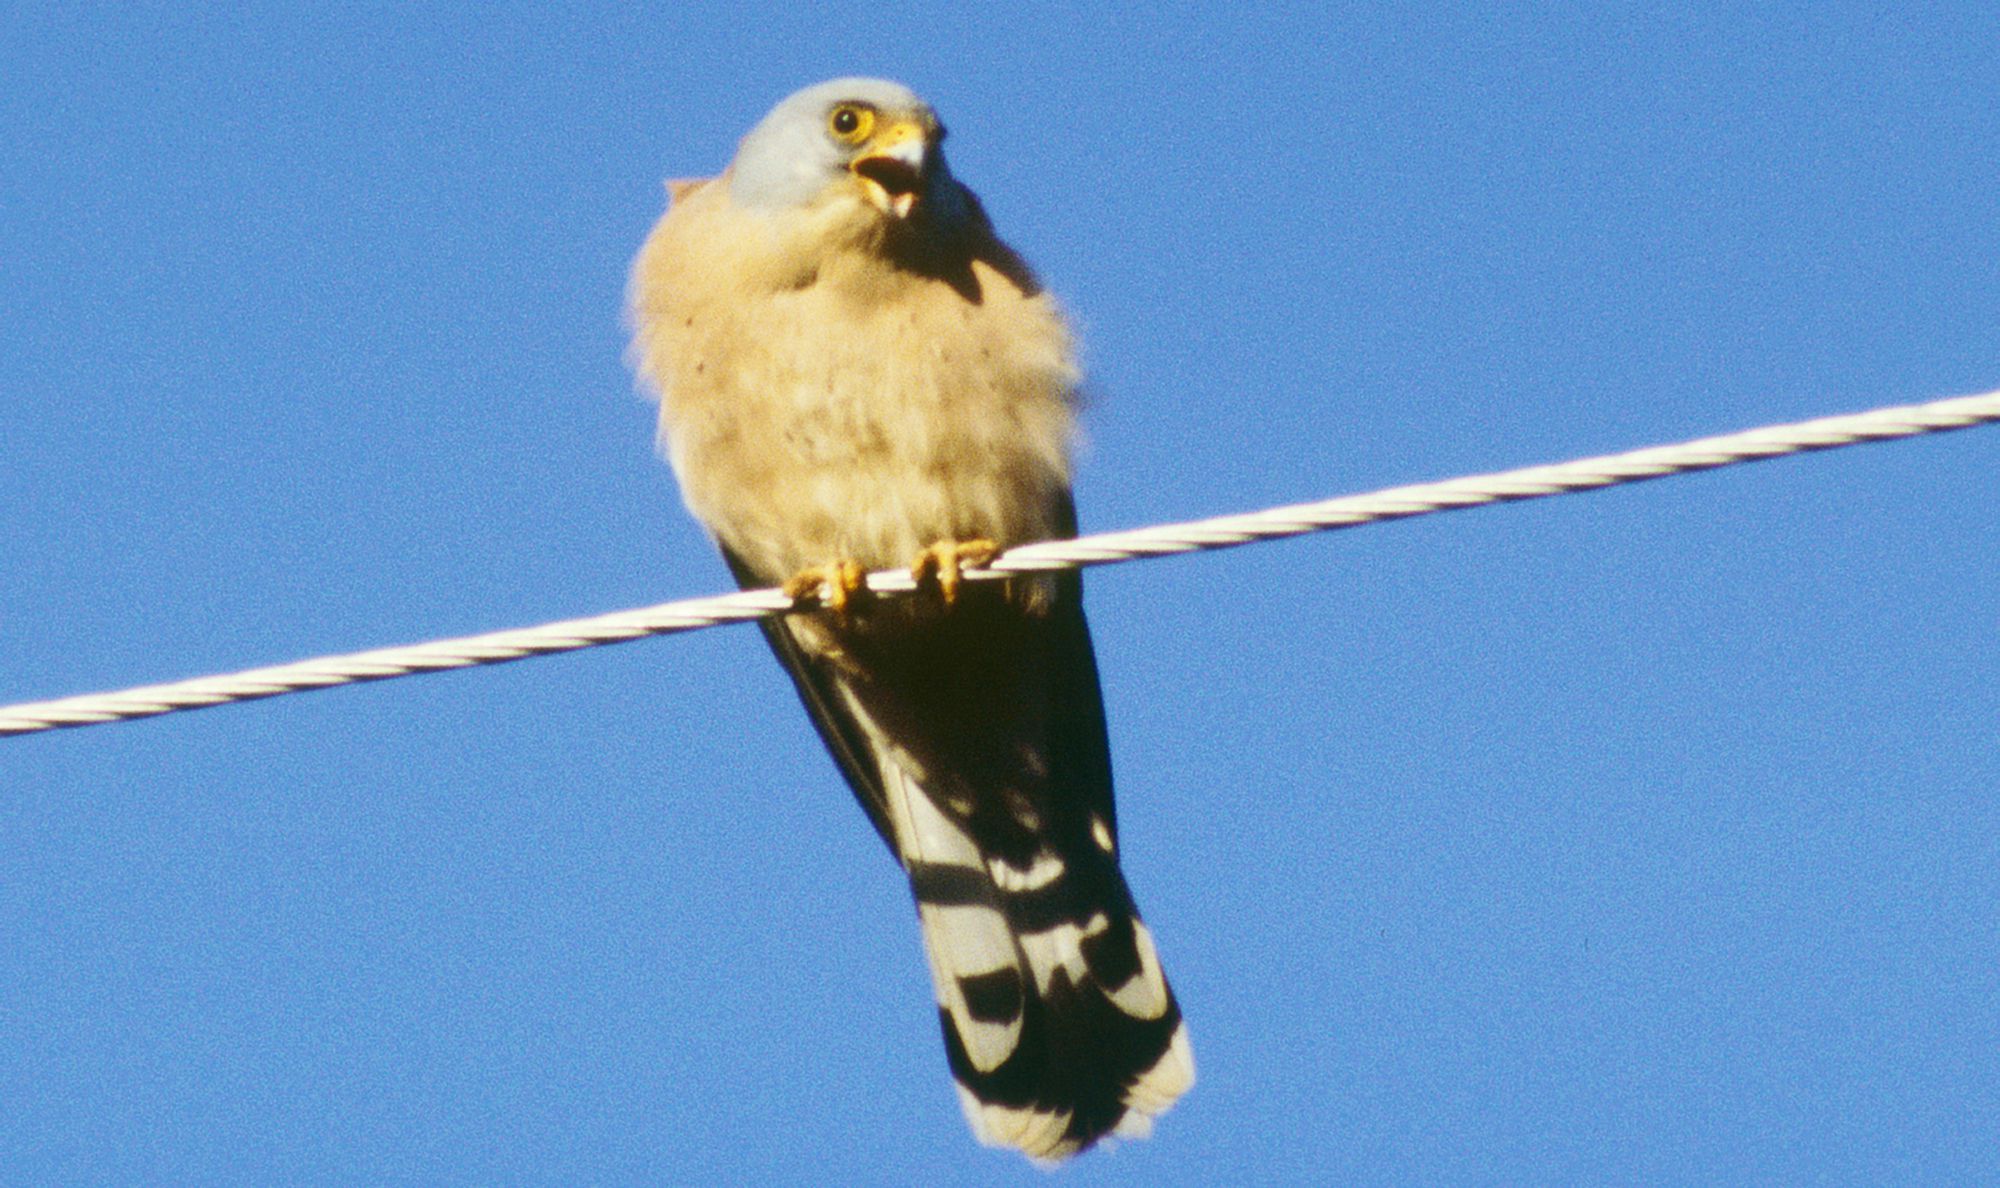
(943, 564)
(839, 586)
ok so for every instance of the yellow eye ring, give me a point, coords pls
(851, 122)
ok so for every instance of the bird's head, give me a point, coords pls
(863, 138)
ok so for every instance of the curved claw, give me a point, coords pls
(942, 564)
(838, 586)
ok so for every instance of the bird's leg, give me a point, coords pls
(941, 564)
(838, 586)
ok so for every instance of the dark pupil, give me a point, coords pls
(845, 121)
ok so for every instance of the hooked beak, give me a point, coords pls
(894, 172)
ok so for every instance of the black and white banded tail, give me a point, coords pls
(975, 738)
(1058, 1022)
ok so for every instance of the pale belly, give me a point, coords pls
(869, 416)
(823, 484)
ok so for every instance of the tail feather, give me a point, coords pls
(976, 742)
(1058, 1022)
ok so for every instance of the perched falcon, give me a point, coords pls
(854, 373)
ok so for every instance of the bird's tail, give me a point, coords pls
(1058, 1021)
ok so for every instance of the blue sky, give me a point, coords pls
(1649, 834)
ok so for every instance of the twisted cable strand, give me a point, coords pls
(1220, 532)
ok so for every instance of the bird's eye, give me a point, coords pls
(851, 122)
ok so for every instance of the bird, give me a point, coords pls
(854, 372)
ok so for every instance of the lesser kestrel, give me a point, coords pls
(854, 372)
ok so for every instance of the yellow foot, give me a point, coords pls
(942, 563)
(839, 586)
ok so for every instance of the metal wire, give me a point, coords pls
(1222, 532)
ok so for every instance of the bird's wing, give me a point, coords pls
(845, 740)
(975, 739)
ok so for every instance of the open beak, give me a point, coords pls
(893, 171)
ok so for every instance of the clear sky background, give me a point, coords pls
(1645, 835)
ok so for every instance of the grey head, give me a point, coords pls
(870, 135)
